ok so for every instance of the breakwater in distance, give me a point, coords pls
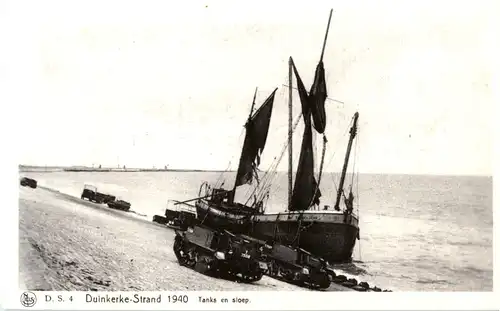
(30, 168)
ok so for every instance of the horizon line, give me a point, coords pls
(83, 168)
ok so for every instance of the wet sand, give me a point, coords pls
(69, 244)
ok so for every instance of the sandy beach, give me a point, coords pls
(69, 244)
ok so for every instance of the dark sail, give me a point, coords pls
(257, 128)
(305, 192)
(305, 183)
(317, 97)
(304, 97)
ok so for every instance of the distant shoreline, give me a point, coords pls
(25, 168)
(48, 169)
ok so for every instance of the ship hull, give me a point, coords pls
(331, 235)
(328, 234)
(215, 216)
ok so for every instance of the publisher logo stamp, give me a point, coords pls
(28, 299)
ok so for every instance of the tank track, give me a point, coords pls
(296, 275)
(206, 262)
(289, 265)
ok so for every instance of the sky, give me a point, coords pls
(154, 83)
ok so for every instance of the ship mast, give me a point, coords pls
(326, 36)
(290, 132)
(290, 116)
(352, 132)
(233, 192)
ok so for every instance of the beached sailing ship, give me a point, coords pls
(329, 233)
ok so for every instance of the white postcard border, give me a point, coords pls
(10, 294)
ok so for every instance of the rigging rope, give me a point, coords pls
(356, 152)
(354, 161)
(301, 228)
(334, 152)
(337, 143)
(357, 176)
(320, 169)
(334, 183)
(357, 195)
(276, 229)
(350, 125)
(297, 234)
(268, 177)
(220, 179)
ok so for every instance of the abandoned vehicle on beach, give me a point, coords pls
(28, 182)
(219, 254)
(119, 205)
(90, 193)
(177, 216)
(294, 265)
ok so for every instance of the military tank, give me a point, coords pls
(120, 204)
(90, 193)
(294, 265)
(219, 254)
(28, 182)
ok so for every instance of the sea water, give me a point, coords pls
(418, 233)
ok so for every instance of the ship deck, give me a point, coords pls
(327, 216)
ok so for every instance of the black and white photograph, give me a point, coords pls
(329, 146)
